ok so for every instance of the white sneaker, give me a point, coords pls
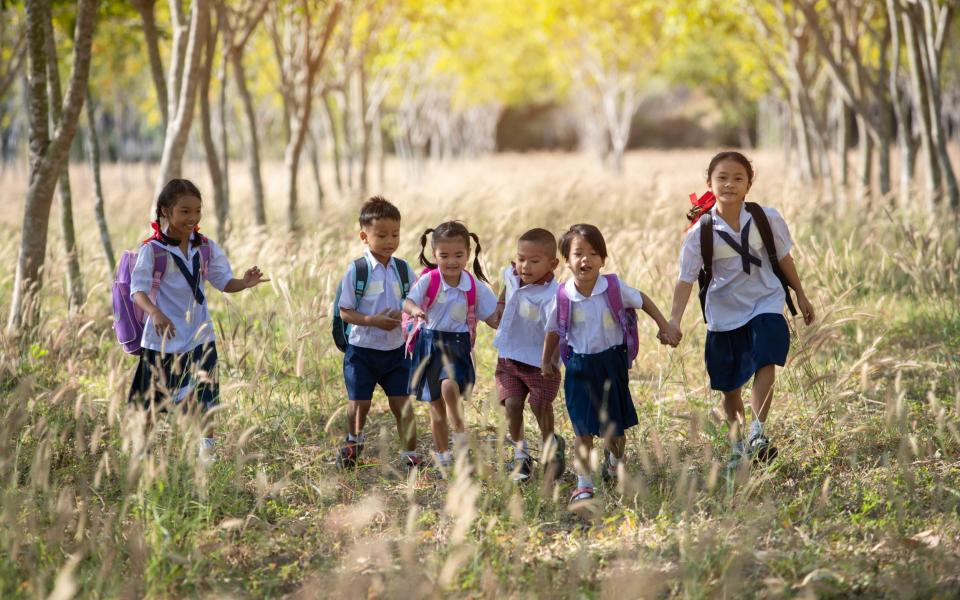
(206, 454)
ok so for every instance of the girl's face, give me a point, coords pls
(584, 261)
(729, 182)
(451, 256)
(183, 216)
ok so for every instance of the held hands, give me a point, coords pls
(253, 277)
(806, 308)
(388, 320)
(550, 368)
(670, 334)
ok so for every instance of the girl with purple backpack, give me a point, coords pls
(178, 353)
(445, 304)
(593, 324)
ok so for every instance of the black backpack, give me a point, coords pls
(706, 252)
(341, 330)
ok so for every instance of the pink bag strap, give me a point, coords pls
(472, 308)
(433, 287)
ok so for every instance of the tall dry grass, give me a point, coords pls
(862, 501)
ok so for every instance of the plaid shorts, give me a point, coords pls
(517, 380)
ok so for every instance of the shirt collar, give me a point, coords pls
(372, 260)
(463, 286)
(574, 294)
(719, 222)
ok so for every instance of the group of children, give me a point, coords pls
(413, 335)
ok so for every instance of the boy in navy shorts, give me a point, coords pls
(370, 298)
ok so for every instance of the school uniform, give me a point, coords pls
(443, 346)
(595, 382)
(746, 329)
(519, 340)
(373, 356)
(170, 369)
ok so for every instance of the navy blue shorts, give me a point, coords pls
(440, 355)
(365, 368)
(164, 378)
(597, 392)
(734, 356)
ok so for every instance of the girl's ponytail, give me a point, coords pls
(477, 268)
(423, 249)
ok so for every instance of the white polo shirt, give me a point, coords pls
(175, 298)
(523, 324)
(449, 311)
(734, 297)
(383, 292)
(593, 326)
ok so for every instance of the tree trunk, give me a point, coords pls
(334, 138)
(904, 147)
(74, 277)
(922, 105)
(365, 125)
(866, 158)
(222, 122)
(210, 149)
(313, 148)
(256, 179)
(46, 156)
(182, 92)
(149, 21)
(93, 149)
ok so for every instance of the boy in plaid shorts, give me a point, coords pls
(528, 292)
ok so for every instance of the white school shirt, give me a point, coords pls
(175, 298)
(735, 297)
(449, 311)
(593, 326)
(383, 292)
(523, 325)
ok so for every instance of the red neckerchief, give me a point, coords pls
(163, 238)
(546, 279)
(701, 204)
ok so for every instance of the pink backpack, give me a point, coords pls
(411, 327)
(627, 317)
(128, 319)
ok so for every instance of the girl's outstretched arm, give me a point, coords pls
(667, 334)
(789, 270)
(410, 307)
(251, 278)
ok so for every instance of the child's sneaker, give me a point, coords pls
(206, 453)
(608, 472)
(412, 462)
(737, 455)
(760, 448)
(556, 463)
(522, 469)
(349, 454)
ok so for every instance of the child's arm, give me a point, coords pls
(410, 307)
(251, 278)
(161, 322)
(789, 270)
(681, 295)
(548, 360)
(666, 334)
(501, 304)
(387, 320)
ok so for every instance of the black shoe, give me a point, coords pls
(412, 462)
(522, 469)
(760, 449)
(556, 463)
(349, 454)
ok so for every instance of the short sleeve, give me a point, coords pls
(219, 272)
(141, 279)
(348, 295)
(486, 301)
(551, 326)
(631, 297)
(419, 291)
(781, 233)
(691, 260)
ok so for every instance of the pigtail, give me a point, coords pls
(423, 249)
(477, 269)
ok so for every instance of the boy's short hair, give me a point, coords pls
(588, 232)
(375, 208)
(543, 237)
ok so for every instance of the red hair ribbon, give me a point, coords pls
(700, 206)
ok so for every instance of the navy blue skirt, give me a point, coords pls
(440, 355)
(597, 393)
(734, 356)
(164, 378)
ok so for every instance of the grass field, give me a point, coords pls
(863, 501)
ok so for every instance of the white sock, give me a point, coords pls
(520, 450)
(756, 428)
(355, 438)
(407, 453)
(207, 443)
(584, 481)
(445, 457)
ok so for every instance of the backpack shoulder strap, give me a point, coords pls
(614, 298)
(433, 287)
(403, 274)
(766, 234)
(206, 255)
(160, 256)
(706, 242)
(472, 307)
(360, 275)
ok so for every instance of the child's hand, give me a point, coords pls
(670, 335)
(418, 313)
(253, 277)
(387, 320)
(806, 309)
(163, 325)
(550, 369)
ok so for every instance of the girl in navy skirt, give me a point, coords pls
(447, 301)
(179, 356)
(597, 335)
(741, 254)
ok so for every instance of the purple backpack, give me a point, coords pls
(627, 317)
(128, 319)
